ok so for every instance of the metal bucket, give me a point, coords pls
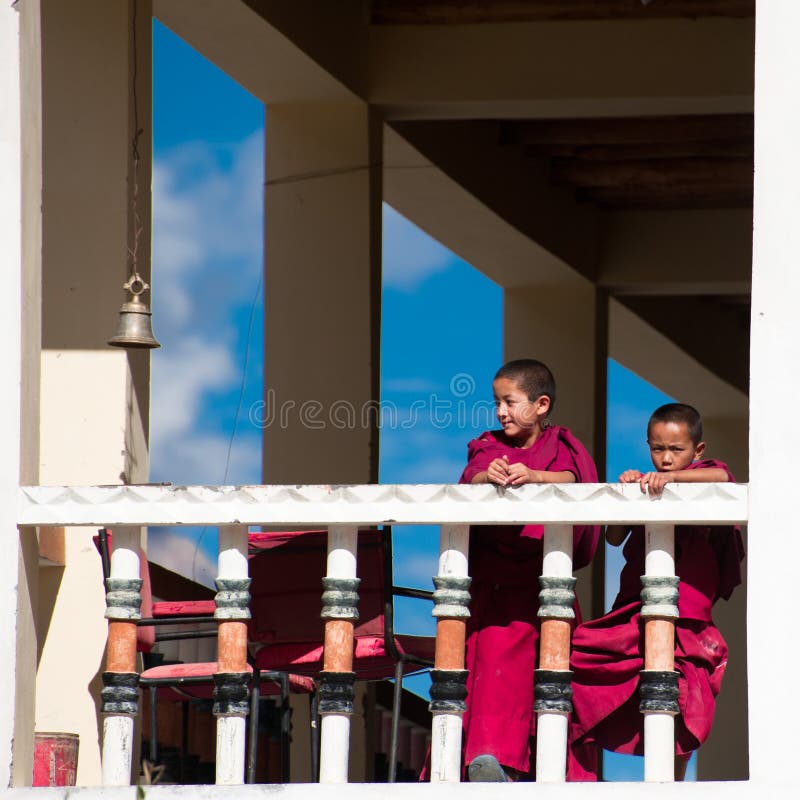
(55, 759)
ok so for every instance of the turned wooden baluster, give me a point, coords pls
(658, 684)
(449, 678)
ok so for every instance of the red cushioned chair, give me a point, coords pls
(286, 631)
(184, 682)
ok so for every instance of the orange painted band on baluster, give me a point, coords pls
(338, 655)
(554, 644)
(121, 647)
(232, 646)
(659, 645)
(450, 638)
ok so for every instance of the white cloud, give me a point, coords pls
(198, 458)
(410, 256)
(207, 230)
(181, 375)
(207, 257)
(183, 554)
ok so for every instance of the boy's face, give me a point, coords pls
(518, 415)
(671, 447)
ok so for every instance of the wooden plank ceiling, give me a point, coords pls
(464, 12)
(644, 162)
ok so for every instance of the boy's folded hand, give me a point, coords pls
(497, 471)
(519, 474)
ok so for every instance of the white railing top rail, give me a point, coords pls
(698, 503)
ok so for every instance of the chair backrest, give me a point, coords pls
(287, 568)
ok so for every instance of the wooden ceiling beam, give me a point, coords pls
(640, 198)
(466, 12)
(630, 130)
(742, 148)
(724, 173)
(689, 321)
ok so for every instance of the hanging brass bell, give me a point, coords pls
(135, 327)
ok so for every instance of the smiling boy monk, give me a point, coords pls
(505, 564)
(608, 652)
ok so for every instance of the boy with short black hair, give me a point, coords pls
(505, 565)
(607, 652)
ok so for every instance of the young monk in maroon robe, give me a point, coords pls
(505, 565)
(608, 652)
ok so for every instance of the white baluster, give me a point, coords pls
(659, 680)
(449, 677)
(552, 681)
(232, 611)
(340, 610)
(123, 611)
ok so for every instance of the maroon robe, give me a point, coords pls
(503, 631)
(607, 653)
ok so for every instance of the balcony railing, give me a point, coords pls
(342, 509)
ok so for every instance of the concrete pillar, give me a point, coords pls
(94, 398)
(20, 324)
(557, 325)
(322, 293)
(564, 326)
(774, 385)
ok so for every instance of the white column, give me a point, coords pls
(231, 727)
(20, 325)
(659, 726)
(335, 724)
(118, 728)
(94, 410)
(451, 612)
(774, 550)
(556, 611)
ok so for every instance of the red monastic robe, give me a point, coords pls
(607, 653)
(503, 631)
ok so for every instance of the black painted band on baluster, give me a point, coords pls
(658, 691)
(557, 597)
(448, 691)
(552, 690)
(120, 693)
(336, 692)
(123, 599)
(451, 598)
(231, 694)
(340, 598)
(660, 594)
(232, 599)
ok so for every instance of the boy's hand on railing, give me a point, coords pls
(630, 476)
(654, 482)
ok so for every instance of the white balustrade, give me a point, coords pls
(343, 509)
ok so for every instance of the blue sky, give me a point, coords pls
(208, 145)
